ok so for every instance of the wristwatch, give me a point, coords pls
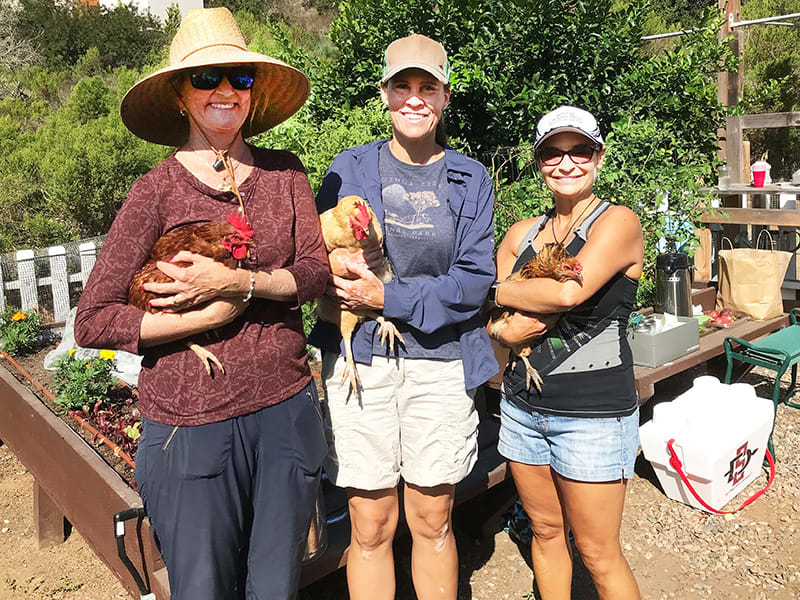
(493, 295)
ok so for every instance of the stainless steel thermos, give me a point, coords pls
(673, 284)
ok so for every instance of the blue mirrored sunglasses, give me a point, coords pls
(208, 78)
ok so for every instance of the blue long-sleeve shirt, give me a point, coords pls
(453, 298)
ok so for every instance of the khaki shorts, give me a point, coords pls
(415, 420)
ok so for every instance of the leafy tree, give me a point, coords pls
(66, 30)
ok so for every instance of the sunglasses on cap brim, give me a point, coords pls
(208, 78)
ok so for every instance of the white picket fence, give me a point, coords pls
(30, 285)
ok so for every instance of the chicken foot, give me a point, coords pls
(531, 374)
(350, 373)
(387, 329)
(206, 356)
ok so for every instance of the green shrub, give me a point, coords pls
(83, 383)
(19, 330)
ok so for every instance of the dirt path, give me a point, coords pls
(675, 551)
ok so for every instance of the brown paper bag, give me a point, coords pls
(750, 279)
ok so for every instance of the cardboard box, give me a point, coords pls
(656, 348)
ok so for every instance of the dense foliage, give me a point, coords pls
(65, 31)
(516, 60)
(67, 160)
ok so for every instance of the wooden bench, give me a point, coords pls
(711, 345)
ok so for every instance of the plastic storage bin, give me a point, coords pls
(720, 434)
(657, 347)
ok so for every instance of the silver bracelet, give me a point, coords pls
(252, 287)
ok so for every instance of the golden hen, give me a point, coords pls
(553, 262)
(351, 224)
(227, 243)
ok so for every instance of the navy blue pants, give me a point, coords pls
(230, 502)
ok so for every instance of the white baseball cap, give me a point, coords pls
(567, 118)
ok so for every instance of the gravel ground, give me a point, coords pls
(676, 552)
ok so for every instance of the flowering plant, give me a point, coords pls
(19, 330)
(83, 383)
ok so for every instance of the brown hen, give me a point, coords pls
(351, 224)
(552, 262)
(226, 243)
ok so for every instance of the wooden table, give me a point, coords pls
(710, 346)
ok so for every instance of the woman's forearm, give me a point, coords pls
(164, 327)
(539, 295)
(278, 285)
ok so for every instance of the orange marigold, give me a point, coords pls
(19, 316)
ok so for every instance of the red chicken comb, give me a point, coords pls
(238, 242)
(241, 225)
(360, 221)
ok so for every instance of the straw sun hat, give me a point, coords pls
(210, 36)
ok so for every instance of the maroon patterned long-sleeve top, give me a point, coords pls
(263, 351)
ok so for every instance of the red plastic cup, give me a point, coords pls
(758, 178)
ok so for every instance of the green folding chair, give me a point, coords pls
(777, 351)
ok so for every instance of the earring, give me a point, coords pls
(183, 113)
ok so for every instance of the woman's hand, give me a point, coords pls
(525, 327)
(200, 281)
(344, 260)
(361, 290)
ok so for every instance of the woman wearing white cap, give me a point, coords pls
(572, 444)
(416, 417)
(228, 466)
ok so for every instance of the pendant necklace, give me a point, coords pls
(571, 225)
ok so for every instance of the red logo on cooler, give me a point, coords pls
(739, 464)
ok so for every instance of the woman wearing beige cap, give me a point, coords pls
(415, 417)
(229, 461)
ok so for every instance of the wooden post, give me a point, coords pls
(730, 86)
(48, 519)
(733, 147)
(702, 256)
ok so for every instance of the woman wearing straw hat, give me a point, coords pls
(571, 442)
(228, 466)
(416, 417)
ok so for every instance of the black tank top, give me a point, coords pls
(584, 361)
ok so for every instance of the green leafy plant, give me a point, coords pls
(19, 330)
(134, 432)
(83, 383)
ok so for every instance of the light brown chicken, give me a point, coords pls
(552, 262)
(224, 242)
(351, 224)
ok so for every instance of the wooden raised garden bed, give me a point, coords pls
(74, 484)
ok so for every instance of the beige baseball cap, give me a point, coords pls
(416, 52)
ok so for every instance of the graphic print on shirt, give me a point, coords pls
(411, 207)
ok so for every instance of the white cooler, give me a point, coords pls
(720, 433)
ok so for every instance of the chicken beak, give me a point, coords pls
(578, 277)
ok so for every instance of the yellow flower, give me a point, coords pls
(19, 316)
(88, 365)
(107, 354)
(71, 351)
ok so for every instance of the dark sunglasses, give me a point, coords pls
(208, 78)
(580, 154)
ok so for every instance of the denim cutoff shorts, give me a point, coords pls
(580, 448)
